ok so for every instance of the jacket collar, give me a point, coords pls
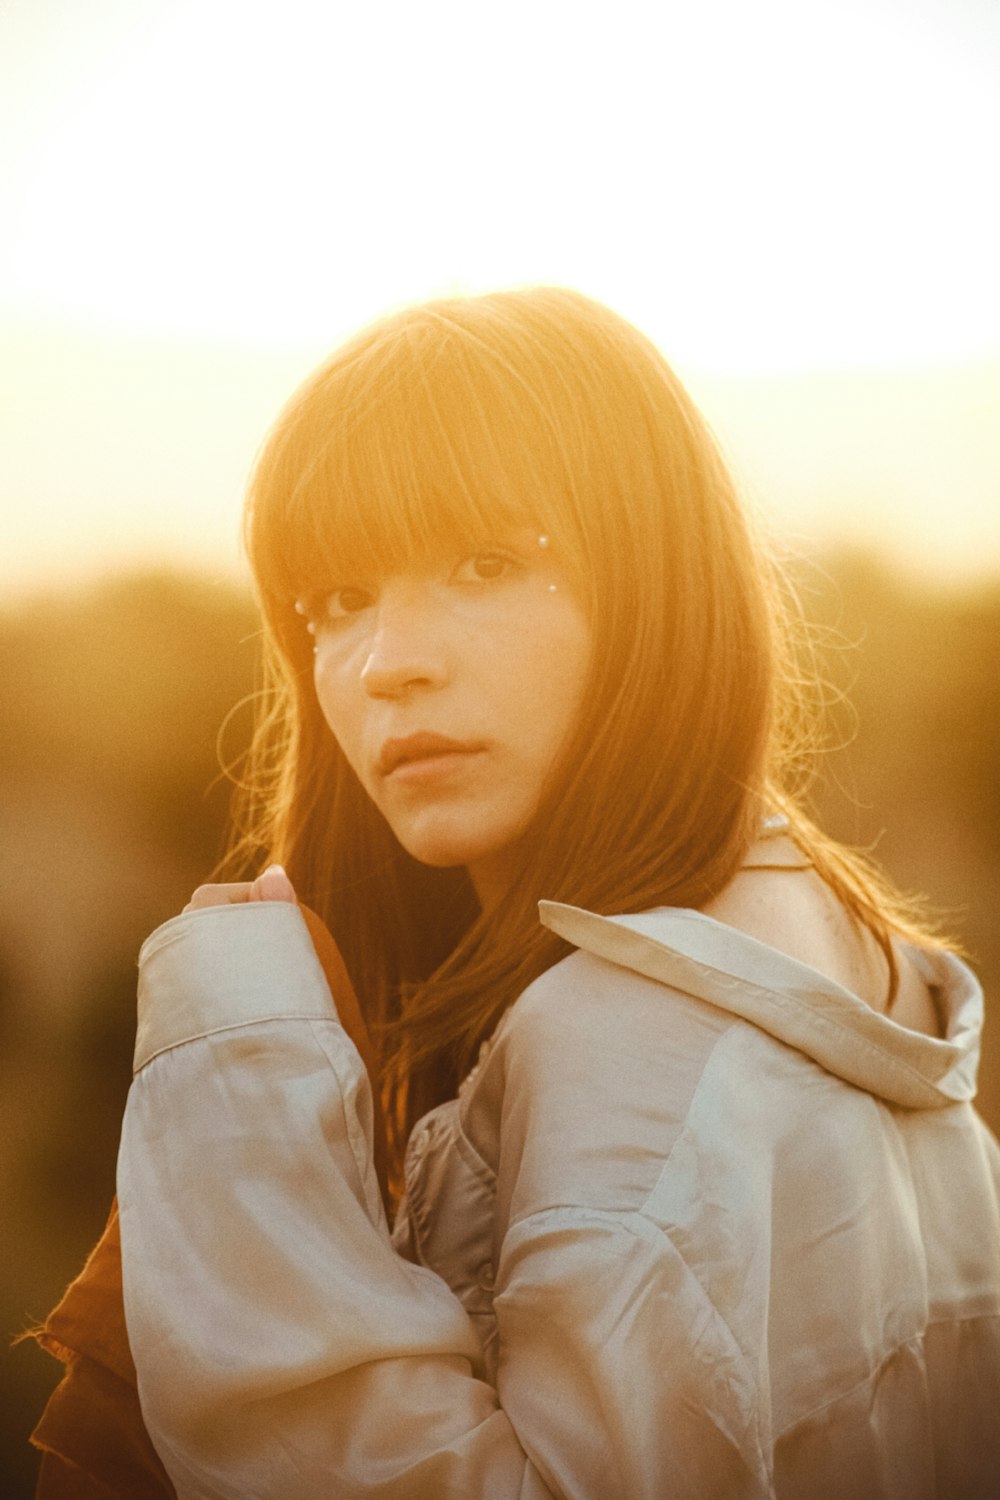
(794, 1002)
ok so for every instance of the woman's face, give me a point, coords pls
(451, 688)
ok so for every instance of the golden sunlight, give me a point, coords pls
(206, 198)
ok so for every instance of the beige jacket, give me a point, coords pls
(701, 1223)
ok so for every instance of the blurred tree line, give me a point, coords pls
(115, 809)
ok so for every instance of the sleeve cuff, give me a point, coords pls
(226, 966)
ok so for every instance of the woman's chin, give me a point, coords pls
(446, 848)
(443, 854)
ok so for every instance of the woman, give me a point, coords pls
(712, 1214)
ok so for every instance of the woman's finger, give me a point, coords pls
(273, 885)
(219, 895)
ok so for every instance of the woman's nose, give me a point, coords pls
(406, 651)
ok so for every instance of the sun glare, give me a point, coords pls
(766, 190)
(757, 183)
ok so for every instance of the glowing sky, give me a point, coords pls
(795, 198)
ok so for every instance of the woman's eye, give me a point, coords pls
(483, 567)
(346, 601)
(323, 610)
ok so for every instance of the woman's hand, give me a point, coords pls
(271, 885)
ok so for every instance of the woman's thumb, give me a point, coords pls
(273, 885)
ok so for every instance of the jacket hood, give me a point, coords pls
(796, 1003)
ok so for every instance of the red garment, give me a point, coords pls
(93, 1440)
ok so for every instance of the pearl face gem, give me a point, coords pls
(543, 541)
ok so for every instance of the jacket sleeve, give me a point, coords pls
(284, 1349)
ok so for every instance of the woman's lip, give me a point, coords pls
(431, 767)
(414, 748)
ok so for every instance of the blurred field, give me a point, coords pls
(114, 810)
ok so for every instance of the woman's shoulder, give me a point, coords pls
(787, 906)
(592, 1052)
(599, 997)
(791, 909)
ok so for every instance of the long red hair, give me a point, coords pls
(447, 422)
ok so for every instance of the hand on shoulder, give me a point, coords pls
(271, 885)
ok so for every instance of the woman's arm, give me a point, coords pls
(285, 1350)
(282, 1347)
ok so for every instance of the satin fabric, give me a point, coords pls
(700, 1223)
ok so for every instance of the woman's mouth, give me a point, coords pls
(423, 756)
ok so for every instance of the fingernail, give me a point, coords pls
(273, 885)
